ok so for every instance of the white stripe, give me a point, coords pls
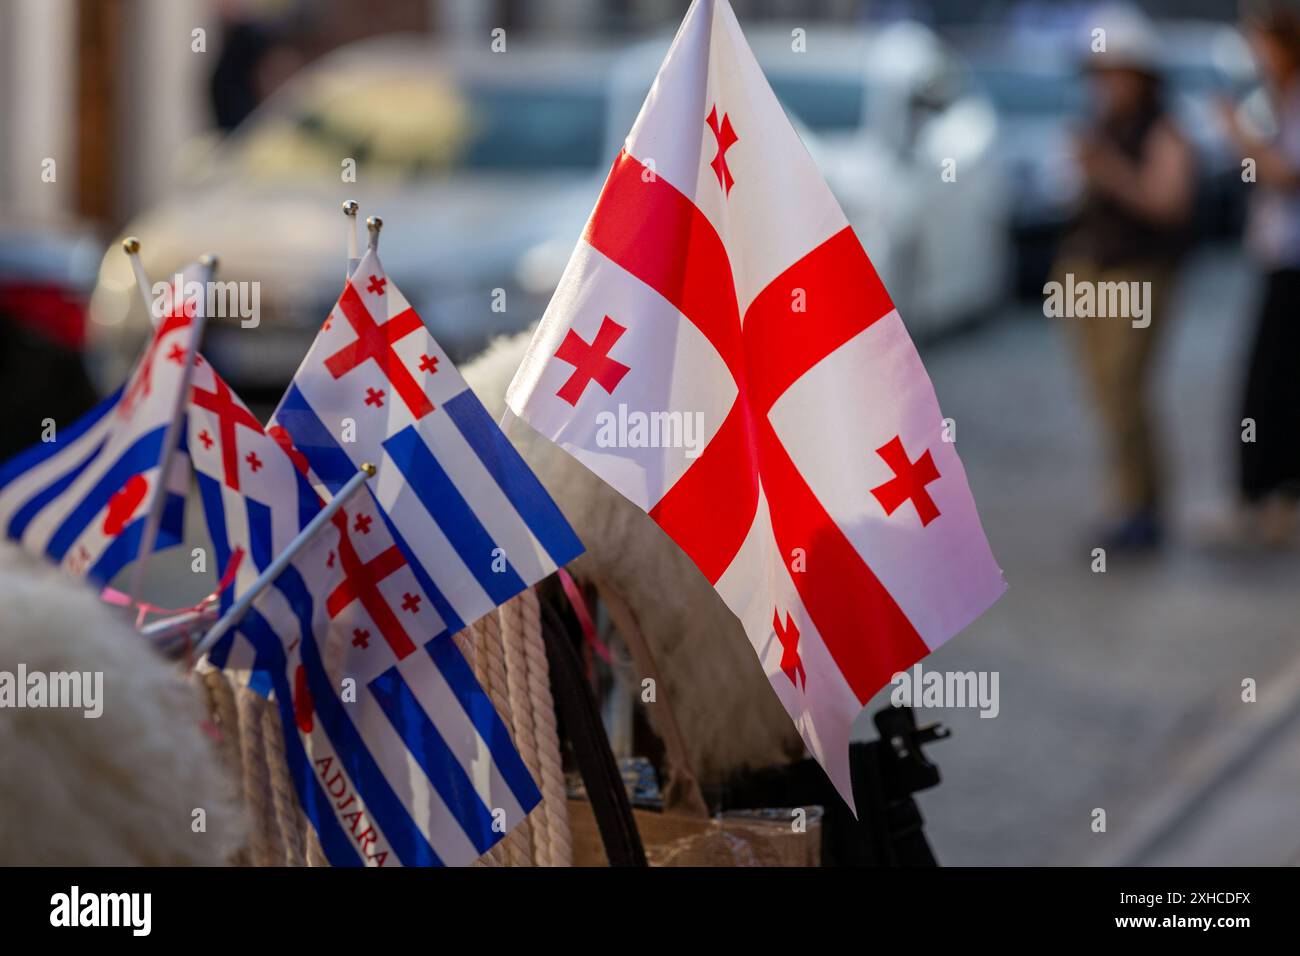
(444, 709)
(439, 558)
(31, 483)
(486, 499)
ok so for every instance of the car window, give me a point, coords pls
(427, 126)
(824, 104)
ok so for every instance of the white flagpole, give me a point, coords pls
(273, 570)
(171, 437)
(131, 246)
(350, 209)
(373, 225)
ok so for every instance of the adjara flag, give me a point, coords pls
(718, 281)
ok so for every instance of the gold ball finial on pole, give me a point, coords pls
(368, 468)
(130, 245)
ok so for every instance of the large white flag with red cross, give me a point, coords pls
(718, 282)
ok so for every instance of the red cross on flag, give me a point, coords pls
(718, 281)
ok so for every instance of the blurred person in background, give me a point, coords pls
(1132, 226)
(1269, 475)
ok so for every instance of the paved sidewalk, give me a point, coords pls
(1110, 683)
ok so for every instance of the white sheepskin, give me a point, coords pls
(119, 789)
(729, 716)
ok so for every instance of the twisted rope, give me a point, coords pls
(516, 849)
(264, 846)
(290, 819)
(525, 613)
(221, 705)
(521, 711)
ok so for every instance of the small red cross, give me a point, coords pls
(330, 562)
(791, 665)
(375, 398)
(726, 137)
(142, 384)
(909, 481)
(230, 414)
(376, 285)
(253, 461)
(591, 361)
(411, 602)
(375, 342)
(360, 638)
(428, 363)
(361, 583)
(205, 438)
(177, 353)
(362, 524)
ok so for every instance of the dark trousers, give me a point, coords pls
(1271, 463)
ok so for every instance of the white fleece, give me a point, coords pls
(120, 789)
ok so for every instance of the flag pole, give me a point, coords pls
(274, 569)
(171, 437)
(131, 246)
(350, 209)
(373, 225)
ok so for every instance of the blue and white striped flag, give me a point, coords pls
(397, 754)
(461, 503)
(82, 499)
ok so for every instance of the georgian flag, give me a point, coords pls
(460, 502)
(718, 275)
(397, 754)
(82, 500)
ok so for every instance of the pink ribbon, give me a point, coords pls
(119, 599)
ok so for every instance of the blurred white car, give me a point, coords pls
(484, 168)
(892, 110)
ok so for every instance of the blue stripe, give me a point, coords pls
(260, 545)
(25, 461)
(478, 706)
(452, 513)
(137, 459)
(310, 436)
(309, 503)
(381, 801)
(123, 549)
(513, 476)
(34, 505)
(214, 513)
(436, 759)
(324, 456)
(339, 847)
